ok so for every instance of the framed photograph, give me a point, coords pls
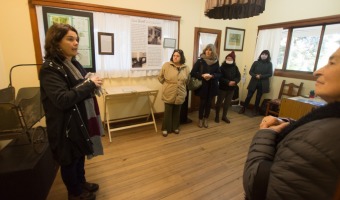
(86, 55)
(105, 43)
(234, 39)
(169, 43)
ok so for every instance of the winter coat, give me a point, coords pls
(208, 87)
(61, 95)
(265, 69)
(174, 82)
(229, 72)
(305, 164)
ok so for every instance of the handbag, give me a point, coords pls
(194, 83)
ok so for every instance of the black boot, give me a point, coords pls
(255, 111)
(217, 117)
(226, 120)
(242, 110)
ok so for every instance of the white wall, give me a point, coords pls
(16, 43)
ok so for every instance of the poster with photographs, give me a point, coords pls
(146, 44)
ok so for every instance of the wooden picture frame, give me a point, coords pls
(105, 43)
(234, 39)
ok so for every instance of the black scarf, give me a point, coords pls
(331, 110)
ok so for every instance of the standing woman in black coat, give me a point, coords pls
(72, 115)
(260, 72)
(230, 77)
(206, 69)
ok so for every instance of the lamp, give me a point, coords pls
(233, 9)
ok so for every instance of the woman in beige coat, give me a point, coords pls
(173, 76)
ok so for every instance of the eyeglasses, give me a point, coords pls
(178, 50)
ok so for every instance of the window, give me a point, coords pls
(306, 45)
(330, 43)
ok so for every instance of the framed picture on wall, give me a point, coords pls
(169, 43)
(234, 39)
(83, 22)
(105, 43)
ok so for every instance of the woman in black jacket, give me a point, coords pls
(72, 114)
(206, 69)
(230, 77)
(260, 72)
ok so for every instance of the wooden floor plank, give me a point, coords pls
(198, 163)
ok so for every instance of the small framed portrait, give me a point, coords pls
(169, 43)
(106, 43)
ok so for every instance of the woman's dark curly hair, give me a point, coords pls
(181, 53)
(53, 37)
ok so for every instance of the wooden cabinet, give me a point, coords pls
(297, 107)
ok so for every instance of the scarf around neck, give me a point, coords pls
(209, 60)
(95, 127)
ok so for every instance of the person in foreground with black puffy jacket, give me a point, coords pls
(300, 159)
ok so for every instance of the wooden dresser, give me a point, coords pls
(297, 107)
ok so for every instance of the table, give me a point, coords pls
(127, 103)
(297, 107)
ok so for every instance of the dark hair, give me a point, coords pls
(53, 37)
(265, 52)
(181, 53)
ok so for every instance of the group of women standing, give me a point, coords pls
(220, 81)
(74, 128)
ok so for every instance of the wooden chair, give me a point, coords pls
(287, 90)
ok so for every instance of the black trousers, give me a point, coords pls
(258, 95)
(73, 176)
(184, 109)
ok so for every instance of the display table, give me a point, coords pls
(127, 103)
(297, 107)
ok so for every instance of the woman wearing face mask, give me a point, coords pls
(260, 72)
(230, 76)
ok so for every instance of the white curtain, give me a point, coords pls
(269, 39)
(119, 64)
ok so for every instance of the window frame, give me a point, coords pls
(323, 21)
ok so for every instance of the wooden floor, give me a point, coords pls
(199, 163)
